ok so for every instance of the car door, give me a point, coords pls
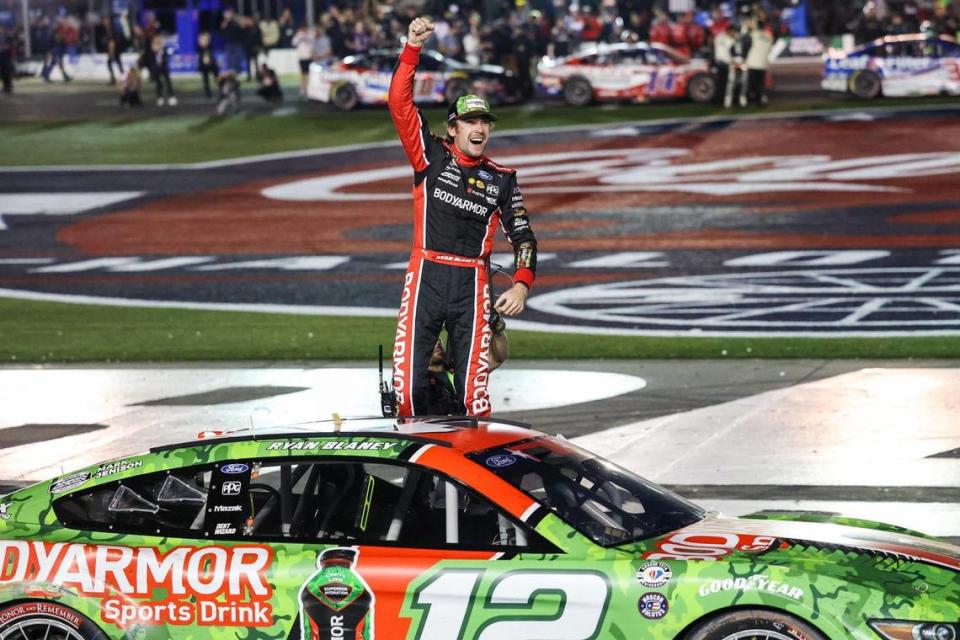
(163, 554)
(389, 550)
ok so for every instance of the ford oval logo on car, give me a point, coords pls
(501, 461)
(235, 468)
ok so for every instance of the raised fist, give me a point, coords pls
(420, 31)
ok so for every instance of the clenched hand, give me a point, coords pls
(420, 31)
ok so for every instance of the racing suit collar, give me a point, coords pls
(464, 159)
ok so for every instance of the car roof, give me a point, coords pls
(605, 47)
(466, 434)
(909, 37)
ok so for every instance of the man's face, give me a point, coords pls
(470, 135)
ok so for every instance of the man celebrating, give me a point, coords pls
(460, 196)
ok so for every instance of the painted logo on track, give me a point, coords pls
(635, 238)
(819, 301)
(658, 170)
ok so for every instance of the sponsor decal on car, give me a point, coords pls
(227, 508)
(654, 574)
(231, 488)
(703, 544)
(4, 511)
(235, 468)
(331, 445)
(117, 467)
(653, 606)
(46, 609)
(70, 482)
(751, 583)
(209, 585)
(503, 460)
(337, 602)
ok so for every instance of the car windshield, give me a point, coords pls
(606, 503)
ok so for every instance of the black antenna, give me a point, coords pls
(388, 398)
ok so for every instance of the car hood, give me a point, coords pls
(716, 537)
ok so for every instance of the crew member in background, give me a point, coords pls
(207, 63)
(723, 44)
(460, 198)
(6, 59)
(757, 61)
(156, 58)
(736, 90)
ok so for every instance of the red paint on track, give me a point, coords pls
(240, 220)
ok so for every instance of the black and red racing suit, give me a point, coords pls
(458, 203)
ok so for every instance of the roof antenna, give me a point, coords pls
(337, 421)
(388, 397)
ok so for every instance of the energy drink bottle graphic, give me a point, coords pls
(336, 603)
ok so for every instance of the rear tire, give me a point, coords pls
(702, 88)
(578, 91)
(865, 84)
(754, 624)
(38, 620)
(344, 97)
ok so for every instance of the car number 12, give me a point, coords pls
(449, 599)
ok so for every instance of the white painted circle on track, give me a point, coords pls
(113, 397)
(819, 302)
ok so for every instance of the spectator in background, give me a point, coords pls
(719, 22)
(41, 36)
(287, 30)
(322, 47)
(6, 59)
(229, 98)
(723, 44)
(207, 63)
(360, 38)
(523, 55)
(660, 28)
(252, 46)
(333, 27)
(757, 61)
(590, 25)
(106, 41)
(471, 40)
(944, 20)
(867, 27)
(150, 26)
(896, 26)
(269, 85)
(156, 59)
(303, 43)
(232, 31)
(58, 48)
(130, 88)
(270, 33)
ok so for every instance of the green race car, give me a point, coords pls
(439, 529)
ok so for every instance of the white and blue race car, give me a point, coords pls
(896, 66)
(364, 79)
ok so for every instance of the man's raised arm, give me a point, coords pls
(410, 125)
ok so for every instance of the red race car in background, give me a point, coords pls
(626, 71)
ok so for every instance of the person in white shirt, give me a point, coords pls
(303, 43)
(757, 61)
